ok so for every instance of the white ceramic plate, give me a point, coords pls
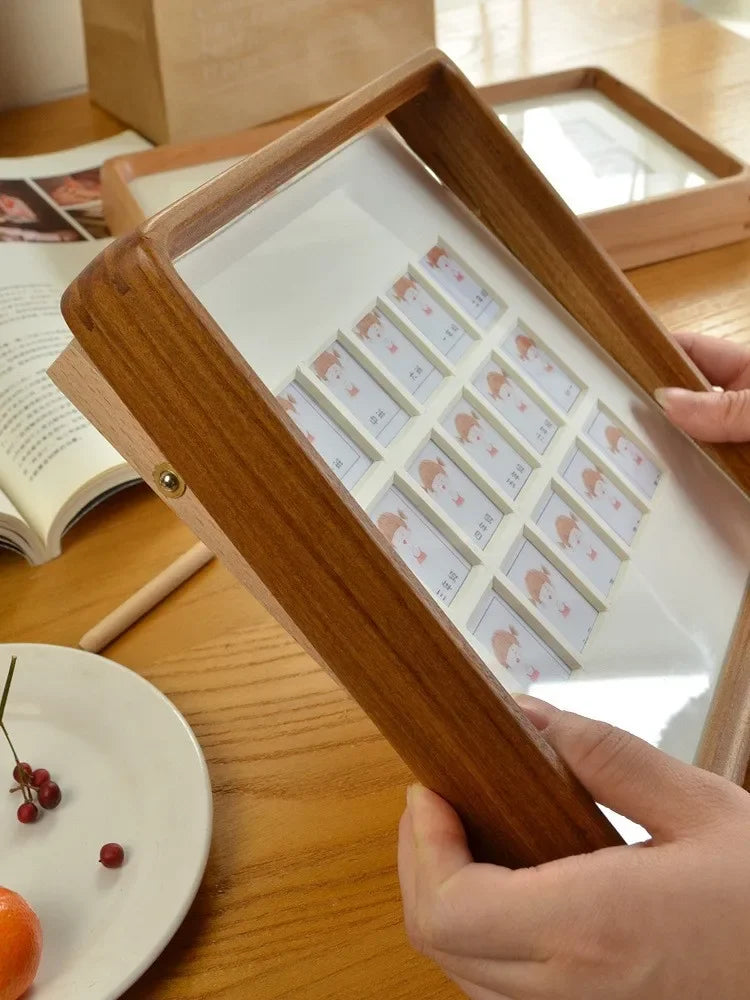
(131, 771)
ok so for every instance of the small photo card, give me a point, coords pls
(474, 299)
(518, 408)
(541, 369)
(624, 453)
(581, 544)
(512, 643)
(429, 317)
(601, 494)
(431, 558)
(489, 449)
(359, 392)
(456, 494)
(396, 352)
(552, 595)
(333, 445)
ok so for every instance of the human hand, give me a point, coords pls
(668, 920)
(712, 416)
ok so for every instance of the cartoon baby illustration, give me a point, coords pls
(619, 444)
(329, 368)
(289, 405)
(396, 529)
(598, 488)
(439, 259)
(529, 352)
(469, 431)
(542, 591)
(409, 292)
(507, 648)
(370, 327)
(501, 388)
(570, 534)
(435, 479)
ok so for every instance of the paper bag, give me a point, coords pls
(184, 69)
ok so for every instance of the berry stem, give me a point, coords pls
(23, 779)
(6, 689)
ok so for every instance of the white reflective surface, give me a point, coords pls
(595, 154)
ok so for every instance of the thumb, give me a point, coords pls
(624, 773)
(708, 416)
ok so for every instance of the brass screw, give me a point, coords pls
(170, 483)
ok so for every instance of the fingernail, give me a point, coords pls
(539, 712)
(667, 398)
(411, 793)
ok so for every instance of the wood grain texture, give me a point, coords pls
(146, 598)
(57, 125)
(305, 790)
(725, 747)
(328, 568)
(494, 178)
(74, 372)
(179, 72)
(707, 293)
(121, 209)
(541, 231)
(634, 235)
(660, 227)
(130, 336)
(300, 898)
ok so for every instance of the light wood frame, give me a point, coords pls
(636, 234)
(153, 370)
(664, 226)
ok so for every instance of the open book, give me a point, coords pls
(53, 464)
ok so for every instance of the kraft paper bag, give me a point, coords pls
(183, 69)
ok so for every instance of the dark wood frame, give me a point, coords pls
(153, 370)
(123, 212)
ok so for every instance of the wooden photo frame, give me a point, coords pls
(646, 228)
(126, 206)
(154, 369)
(642, 230)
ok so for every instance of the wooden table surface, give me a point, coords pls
(300, 897)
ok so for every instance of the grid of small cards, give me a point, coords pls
(504, 485)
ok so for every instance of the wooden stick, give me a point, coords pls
(143, 600)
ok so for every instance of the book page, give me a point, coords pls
(48, 450)
(51, 227)
(14, 532)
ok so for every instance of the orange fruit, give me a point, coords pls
(20, 945)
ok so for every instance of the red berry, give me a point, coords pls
(27, 813)
(39, 777)
(22, 767)
(49, 795)
(111, 856)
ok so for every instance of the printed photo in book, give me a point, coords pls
(54, 465)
